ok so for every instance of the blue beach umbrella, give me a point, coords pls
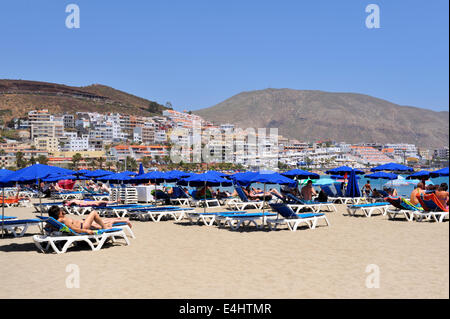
(382, 175)
(82, 172)
(141, 169)
(243, 178)
(440, 172)
(205, 179)
(272, 178)
(352, 187)
(4, 172)
(393, 167)
(342, 170)
(117, 178)
(34, 173)
(59, 177)
(300, 174)
(422, 175)
(98, 173)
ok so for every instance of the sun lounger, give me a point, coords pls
(207, 218)
(433, 208)
(179, 197)
(7, 218)
(64, 237)
(119, 211)
(18, 227)
(244, 202)
(399, 207)
(293, 220)
(297, 204)
(347, 200)
(236, 221)
(157, 214)
(368, 209)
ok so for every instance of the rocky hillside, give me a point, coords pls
(318, 115)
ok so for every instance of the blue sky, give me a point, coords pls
(198, 53)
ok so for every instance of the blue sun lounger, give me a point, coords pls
(18, 227)
(63, 237)
(368, 209)
(179, 197)
(244, 201)
(293, 220)
(297, 204)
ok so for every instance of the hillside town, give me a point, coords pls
(120, 141)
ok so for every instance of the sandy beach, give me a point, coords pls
(178, 260)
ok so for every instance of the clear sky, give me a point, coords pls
(197, 53)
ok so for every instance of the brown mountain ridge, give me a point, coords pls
(317, 115)
(18, 97)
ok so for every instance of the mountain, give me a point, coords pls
(17, 97)
(317, 115)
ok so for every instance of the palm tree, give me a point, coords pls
(20, 160)
(109, 165)
(101, 161)
(76, 160)
(42, 159)
(93, 163)
(131, 164)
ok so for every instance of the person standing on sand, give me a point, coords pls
(367, 188)
(420, 189)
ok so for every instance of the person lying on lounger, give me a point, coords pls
(420, 189)
(443, 195)
(87, 203)
(89, 225)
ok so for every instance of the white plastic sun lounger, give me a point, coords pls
(157, 214)
(65, 238)
(293, 220)
(18, 227)
(207, 218)
(368, 209)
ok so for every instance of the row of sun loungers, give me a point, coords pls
(430, 208)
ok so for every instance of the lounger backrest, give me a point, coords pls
(284, 210)
(338, 190)
(384, 193)
(431, 203)
(278, 196)
(328, 190)
(179, 193)
(58, 225)
(241, 194)
(295, 199)
(394, 201)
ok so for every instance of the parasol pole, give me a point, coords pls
(3, 211)
(204, 204)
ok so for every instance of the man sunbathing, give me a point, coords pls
(308, 191)
(87, 203)
(420, 189)
(88, 225)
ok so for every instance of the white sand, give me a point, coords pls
(178, 260)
